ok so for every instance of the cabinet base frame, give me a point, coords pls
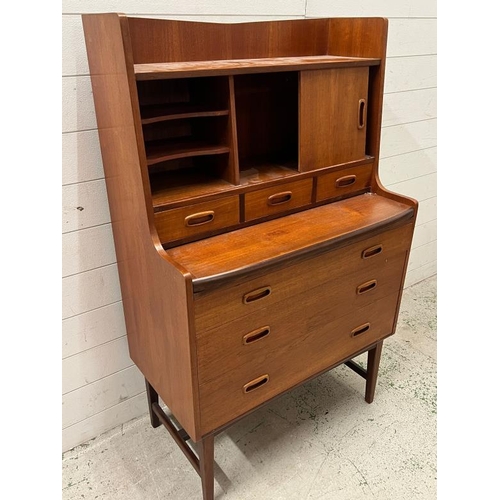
(203, 463)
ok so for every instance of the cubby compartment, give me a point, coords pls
(178, 181)
(169, 140)
(188, 138)
(267, 124)
(163, 100)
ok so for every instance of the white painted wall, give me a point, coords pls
(101, 386)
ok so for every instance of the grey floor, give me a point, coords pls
(320, 441)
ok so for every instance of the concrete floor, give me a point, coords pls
(320, 441)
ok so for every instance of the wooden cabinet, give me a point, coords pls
(256, 247)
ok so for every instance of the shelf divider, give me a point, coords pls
(234, 164)
(159, 113)
(160, 151)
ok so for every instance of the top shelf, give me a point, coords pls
(157, 71)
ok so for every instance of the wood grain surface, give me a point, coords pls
(273, 200)
(171, 224)
(329, 115)
(225, 304)
(303, 345)
(242, 66)
(328, 187)
(240, 252)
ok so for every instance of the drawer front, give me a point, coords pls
(225, 347)
(345, 181)
(192, 220)
(278, 199)
(217, 307)
(299, 347)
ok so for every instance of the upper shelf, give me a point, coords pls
(157, 71)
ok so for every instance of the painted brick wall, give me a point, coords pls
(101, 386)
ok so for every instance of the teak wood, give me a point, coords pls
(256, 246)
(245, 66)
(336, 99)
(343, 182)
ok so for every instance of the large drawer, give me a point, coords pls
(234, 301)
(224, 348)
(298, 347)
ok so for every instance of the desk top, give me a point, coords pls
(310, 232)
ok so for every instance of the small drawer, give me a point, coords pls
(345, 181)
(278, 199)
(184, 222)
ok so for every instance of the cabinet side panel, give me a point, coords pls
(157, 294)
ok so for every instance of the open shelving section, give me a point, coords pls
(228, 127)
(267, 123)
(187, 133)
(184, 184)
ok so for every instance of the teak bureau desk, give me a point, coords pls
(256, 246)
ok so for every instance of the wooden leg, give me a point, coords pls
(152, 398)
(372, 371)
(207, 467)
(204, 462)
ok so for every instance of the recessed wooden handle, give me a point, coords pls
(347, 180)
(258, 294)
(366, 287)
(361, 113)
(255, 383)
(372, 251)
(279, 198)
(199, 219)
(360, 330)
(255, 335)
